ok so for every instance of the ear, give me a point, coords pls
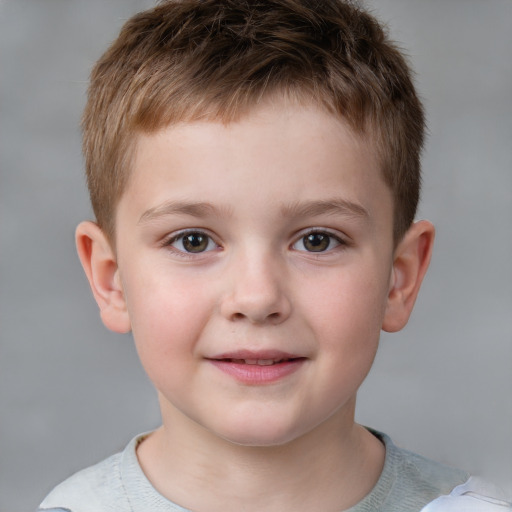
(410, 263)
(99, 262)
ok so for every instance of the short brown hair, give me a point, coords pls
(185, 60)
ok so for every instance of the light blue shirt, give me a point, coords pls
(408, 483)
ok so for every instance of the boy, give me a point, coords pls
(254, 171)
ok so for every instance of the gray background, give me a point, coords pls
(71, 393)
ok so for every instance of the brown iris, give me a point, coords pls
(317, 242)
(195, 242)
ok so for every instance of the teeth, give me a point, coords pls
(260, 362)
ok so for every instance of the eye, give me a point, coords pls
(317, 241)
(192, 242)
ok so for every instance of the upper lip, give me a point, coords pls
(275, 355)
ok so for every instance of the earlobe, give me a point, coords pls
(410, 263)
(100, 266)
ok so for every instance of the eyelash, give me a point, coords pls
(168, 242)
(339, 241)
(324, 237)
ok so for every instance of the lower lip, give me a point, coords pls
(256, 374)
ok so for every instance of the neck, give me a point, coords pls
(330, 468)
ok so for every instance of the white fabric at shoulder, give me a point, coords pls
(475, 495)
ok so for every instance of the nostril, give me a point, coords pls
(272, 317)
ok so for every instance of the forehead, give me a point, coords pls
(277, 120)
(278, 152)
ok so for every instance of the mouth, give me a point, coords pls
(256, 368)
(257, 357)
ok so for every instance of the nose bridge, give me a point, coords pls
(257, 287)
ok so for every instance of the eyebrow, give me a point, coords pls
(303, 209)
(194, 209)
(335, 206)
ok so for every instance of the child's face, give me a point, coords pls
(255, 259)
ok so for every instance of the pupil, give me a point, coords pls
(316, 242)
(195, 242)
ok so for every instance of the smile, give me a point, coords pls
(258, 368)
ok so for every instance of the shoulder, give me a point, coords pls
(97, 488)
(422, 484)
(475, 495)
(118, 484)
(415, 480)
(428, 475)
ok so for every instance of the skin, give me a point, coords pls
(249, 193)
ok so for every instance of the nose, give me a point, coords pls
(257, 292)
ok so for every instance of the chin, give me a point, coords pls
(258, 434)
(258, 441)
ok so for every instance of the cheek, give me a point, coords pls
(346, 319)
(349, 306)
(167, 317)
(349, 326)
(166, 303)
